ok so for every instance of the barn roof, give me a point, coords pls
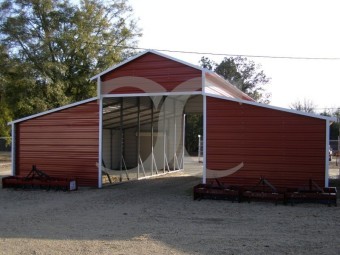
(53, 110)
(233, 93)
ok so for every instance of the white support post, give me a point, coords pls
(13, 156)
(111, 149)
(121, 140)
(175, 134)
(327, 155)
(100, 149)
(164, 137)
(204, 180)
(152, 156)
(138, 138)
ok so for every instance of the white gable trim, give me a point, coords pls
(53, 110)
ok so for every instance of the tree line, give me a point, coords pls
(50, 48)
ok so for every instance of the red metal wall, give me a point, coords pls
(166, 72)
(285, 148)
(62, 144)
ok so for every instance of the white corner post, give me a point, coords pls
(183, 140)
(327, 155)
(100, 149)
(204, 178)
(204, 139)
(13, 150)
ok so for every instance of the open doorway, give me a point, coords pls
(144, 136)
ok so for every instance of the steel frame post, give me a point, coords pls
(164, 137)
(121, 138)
(175, 134)
(138, 136)
(13, 156)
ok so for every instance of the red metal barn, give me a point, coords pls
(134, 129)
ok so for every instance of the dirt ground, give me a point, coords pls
(159, 216)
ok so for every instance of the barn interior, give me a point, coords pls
(145, 136)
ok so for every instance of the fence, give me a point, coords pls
(5, 155)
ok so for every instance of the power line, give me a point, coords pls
(221, 54)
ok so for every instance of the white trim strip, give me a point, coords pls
(53, 110)
(141, 54)
(100, 149)
(272, 107)
(13, 150)
(204, 178)
(327, 155)
(154, 94)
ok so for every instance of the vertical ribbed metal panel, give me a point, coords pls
(285, 148)
(62, 144)
(166, 72)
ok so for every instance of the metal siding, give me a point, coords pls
(285, 148)
(62, 144)
(166, 72)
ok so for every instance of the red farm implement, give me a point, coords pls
(37, 179)
(265, 191)
(219, 191)
(313, 194)
(262, 191)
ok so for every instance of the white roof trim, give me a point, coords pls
(273, 107)
(141, 54)
(53, 110)
(184, 93)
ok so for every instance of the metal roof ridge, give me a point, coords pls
(52, 110)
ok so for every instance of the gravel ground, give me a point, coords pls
(158, 216)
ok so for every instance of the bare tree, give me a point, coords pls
(304, 106)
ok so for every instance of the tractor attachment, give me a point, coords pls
(37, 179)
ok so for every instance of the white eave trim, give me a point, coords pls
(141, 54)
(316, 116)
(184, 93)
(53, 110)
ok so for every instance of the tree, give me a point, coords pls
(242, 73)
(335, 127)
(305, 106)
(193, 128)
(53, 47)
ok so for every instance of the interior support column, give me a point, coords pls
(164, 136)
(121, 138)
(152, 156)
(175, 134)
(111, 149)
(138, 136)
